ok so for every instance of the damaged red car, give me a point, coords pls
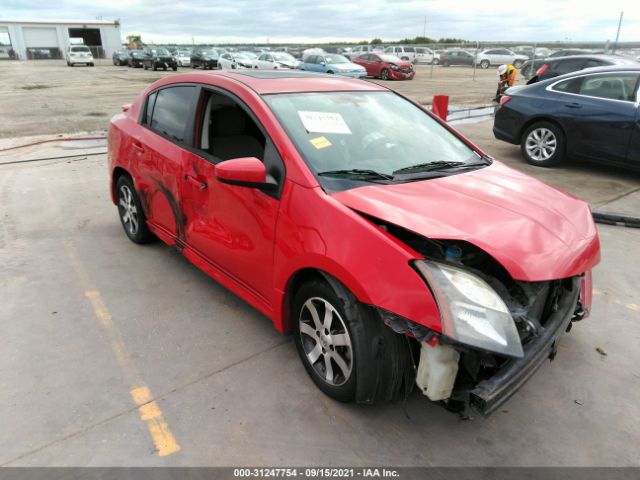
(395, 251)
(386, 67)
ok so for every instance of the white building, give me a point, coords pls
(26, 39)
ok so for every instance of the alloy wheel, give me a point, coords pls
(128, 210)
(326, 341)
(541, 144)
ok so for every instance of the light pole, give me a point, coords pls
(615, 45)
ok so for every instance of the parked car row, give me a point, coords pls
(154, 58)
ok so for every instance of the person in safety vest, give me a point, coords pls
(506, 78)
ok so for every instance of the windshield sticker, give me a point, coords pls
(324, 122)
(320, 142)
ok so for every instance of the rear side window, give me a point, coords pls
(170, 111)
(569, 86)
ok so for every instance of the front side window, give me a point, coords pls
(283, 57)
(375, 131)
(619, 86)
(171, 111)
(334, 59)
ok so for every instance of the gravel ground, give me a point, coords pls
(47, 97)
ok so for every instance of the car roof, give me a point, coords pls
(608, 69)
(292, 81)
(597, 56)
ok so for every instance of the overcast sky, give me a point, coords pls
(260, 21)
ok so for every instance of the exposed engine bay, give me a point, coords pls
(451, 372)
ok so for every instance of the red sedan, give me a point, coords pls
(361, 224)
(385, 67)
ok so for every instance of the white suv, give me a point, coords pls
(362, 49)
(498, 56)
(405, 53)
(78, 54)
(426, 55)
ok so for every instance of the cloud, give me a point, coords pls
(260, 21)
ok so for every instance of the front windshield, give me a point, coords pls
(210, 52)
(80, 49)
(160, 51)
(390, 58)
(377, 131)
(333, 59)
(283, 57)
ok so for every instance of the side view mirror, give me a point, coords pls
(322, 63)
(245, 172)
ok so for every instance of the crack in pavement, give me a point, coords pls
(618, 197)
(136, 407)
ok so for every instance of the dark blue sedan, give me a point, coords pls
(592, 114)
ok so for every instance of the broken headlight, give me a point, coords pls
(472, 312)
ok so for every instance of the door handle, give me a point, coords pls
(137, 147)
(200, 185)
(573, 105)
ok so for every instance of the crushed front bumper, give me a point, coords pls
(489, 394)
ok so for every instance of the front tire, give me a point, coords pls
(435, 61)
(384, 74)
(345, 348)
(543, 144)
(132, 217)
(517, 64)
(484, 64)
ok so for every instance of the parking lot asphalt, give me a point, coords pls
(116, 354)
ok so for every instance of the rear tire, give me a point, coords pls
(132, 217)
(436, 61)
(543, 144)
(175, 69)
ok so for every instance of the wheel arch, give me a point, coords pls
(307, 274)
(115, 176)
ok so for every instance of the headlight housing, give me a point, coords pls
(472, 312)
(394, 67)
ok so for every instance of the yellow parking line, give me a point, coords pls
(151, 414)
(148, 408)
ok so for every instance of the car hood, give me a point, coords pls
(345, 66)
(535, 231)
(401, 64)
